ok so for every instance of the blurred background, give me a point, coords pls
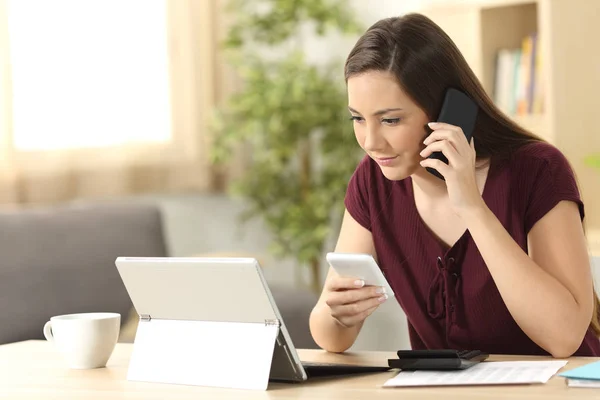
(229, 117)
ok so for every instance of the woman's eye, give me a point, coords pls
(390, 121)
(355, 118)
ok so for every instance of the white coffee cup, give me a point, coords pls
(84, 340)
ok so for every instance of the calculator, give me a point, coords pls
(440, 360)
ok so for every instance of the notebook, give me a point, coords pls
(583, 383)
(587, 375)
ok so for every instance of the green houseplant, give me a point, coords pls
(291, 117)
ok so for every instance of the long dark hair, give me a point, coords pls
(425, 62)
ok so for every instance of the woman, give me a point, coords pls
(491, 258)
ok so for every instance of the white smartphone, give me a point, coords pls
(362, 266)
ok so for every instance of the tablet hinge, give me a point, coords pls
(272, 322)
(145, 317)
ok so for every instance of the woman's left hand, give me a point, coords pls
(459, 173)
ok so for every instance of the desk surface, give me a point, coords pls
(33, 370)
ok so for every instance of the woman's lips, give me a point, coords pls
(385, 161)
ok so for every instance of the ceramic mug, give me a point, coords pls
(84, 340)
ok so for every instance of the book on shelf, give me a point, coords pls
(517, 88)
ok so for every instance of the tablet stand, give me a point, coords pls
(205, 353)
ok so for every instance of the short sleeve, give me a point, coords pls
(554, 182)
(357, 194)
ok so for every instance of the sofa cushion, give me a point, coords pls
(61, 260)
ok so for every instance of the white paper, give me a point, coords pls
(203, 353)
(484, 373)
(588, 383)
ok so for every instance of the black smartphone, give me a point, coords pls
(457, 109)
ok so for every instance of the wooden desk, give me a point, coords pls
(33, 370)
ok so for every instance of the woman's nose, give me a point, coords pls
(373, 139)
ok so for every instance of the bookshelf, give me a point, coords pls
(566, 33)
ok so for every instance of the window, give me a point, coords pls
(88, 74)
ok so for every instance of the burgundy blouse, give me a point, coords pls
(448, 295)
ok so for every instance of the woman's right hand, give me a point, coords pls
(350, 301)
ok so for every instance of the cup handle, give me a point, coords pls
(48, 331)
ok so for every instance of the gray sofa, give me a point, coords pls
(60, 260)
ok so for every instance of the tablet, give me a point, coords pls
(358, 265)
(232, 290)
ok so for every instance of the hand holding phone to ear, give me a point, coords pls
(450, 150)
(459, 173)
